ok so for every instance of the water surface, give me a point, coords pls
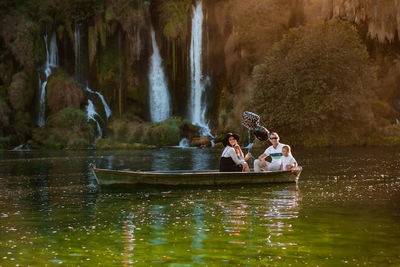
(344, 210)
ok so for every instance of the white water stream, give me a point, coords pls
(51, 62)
(159, 95)
(107, 109)
(91, 110)
(91, 113)
(197, 101)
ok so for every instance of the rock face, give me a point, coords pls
(382, 18)
(19, 92)
(19, 37)
(62, 92)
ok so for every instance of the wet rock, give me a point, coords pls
(201, 142)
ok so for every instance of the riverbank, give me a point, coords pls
(106, 144)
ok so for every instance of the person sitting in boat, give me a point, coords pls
(232, 159)
(275, 151)
(288, 161)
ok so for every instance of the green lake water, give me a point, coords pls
(345, 210)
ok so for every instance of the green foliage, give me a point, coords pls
(106, 144)
(312, 84)
(21, 127)
(164, 133)
(68, 129)
(4, 141)
(4, 114)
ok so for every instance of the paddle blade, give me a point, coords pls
(261, 133)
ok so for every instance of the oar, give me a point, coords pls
(250, 145)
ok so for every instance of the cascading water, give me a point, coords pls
(53, 56)
(159, 96)
(197, 105)
(107, 109)
(51, 62)
(91, 113)
(91, 110)
(184, 143)
(77, 49)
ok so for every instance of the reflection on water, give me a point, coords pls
(52, 212)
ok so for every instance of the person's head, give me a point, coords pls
(230, 139)
(274, 138)
(286, 150)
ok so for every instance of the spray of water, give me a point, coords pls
(91, 113)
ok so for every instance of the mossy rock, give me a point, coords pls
(201, 142)
(20, 94)
(62, 92)
(383, 110)
(387, 136)
(68, 129)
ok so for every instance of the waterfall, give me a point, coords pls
(159, 96)
(91, 113)
(107, 109)
(197, 105)
(51, 62)
(53, 56)
(77, 48)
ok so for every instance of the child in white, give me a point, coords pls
(288, 161)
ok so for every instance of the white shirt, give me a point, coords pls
(275, 153)
(229, 152)
(287, 160)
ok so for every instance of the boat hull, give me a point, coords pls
(186, 178)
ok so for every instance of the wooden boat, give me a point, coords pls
(178, 178)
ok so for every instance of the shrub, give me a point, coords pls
(313, 84)
(164, 133)
(68, 129)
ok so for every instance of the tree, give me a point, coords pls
(312, 84)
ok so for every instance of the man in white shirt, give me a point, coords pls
(275, 151)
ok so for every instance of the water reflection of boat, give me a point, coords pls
(108, 177)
